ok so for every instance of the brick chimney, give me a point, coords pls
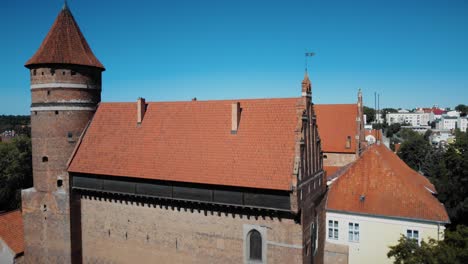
(235, 117)
(141, 109)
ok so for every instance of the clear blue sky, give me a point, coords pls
(414, 53)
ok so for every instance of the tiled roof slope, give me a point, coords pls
(192, 142)
(65, 44)
(390, 187)
(11, 230)
(335, 123)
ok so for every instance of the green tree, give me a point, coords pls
(370, 114)
(414, 149)
(463, 109)
(15, 171)
(452, 250)
(385, 111)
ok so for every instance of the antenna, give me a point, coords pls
(308, 54)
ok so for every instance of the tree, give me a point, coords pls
(15, 171)
(414, 149)
(370, 114)
(463, 109)
(392, 129)
(452, 250)
(385, 111)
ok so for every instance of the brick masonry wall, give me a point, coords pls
(126, 232)
(338, 159)
(66, 74)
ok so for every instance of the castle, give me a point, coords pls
(231, 181)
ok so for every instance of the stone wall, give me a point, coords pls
(338, 159)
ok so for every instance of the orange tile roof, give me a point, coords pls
(192, 142)
(390, 187)
(65, 44)
(11, 230)
(330, 170)
(335, 123)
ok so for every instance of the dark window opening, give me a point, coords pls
(63, 73)
(56, 112)
(44, 207)
(45, 159)
(35, 112)
(325, 156)
(73, 72)
(52, 71)
(59, 183)
(48, 92)
(42, 73)
(255, 245)
(34, 72)
(69, 134)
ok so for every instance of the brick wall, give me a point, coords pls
(127, 232)
(338, 159)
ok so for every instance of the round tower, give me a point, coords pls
(65, 91)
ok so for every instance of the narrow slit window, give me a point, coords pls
(45, 159)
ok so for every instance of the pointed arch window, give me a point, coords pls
(255, 245)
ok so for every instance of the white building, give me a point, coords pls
(414, 119)
(373, 203)
(447, 122)
(463, 123)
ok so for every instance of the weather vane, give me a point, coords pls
(307, 55)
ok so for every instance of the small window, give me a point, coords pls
(63, 72)
(34, 72)
(412, 234)
(59, 183)
(35, 112)
(69, 135)
(333, 229)
(255, 245)
(73, 72)
(45, 159)
(56, 112)
(325, 156)
(348, 142)
(48, 92)
(42, 73)
(52, 72)
(353, 232)
(314, 236)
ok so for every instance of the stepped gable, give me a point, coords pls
(379, 183)
(65, 44)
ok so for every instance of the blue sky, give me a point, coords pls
(414, 53)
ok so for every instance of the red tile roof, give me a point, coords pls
(65, 44)
(335, 123)
(192, 142)
(390, 187)
(11, 230)
(330, 170)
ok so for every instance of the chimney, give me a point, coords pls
(235, 117)
(141, 109)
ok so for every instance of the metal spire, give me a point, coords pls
(65, 5)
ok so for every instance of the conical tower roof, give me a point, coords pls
(65, 44)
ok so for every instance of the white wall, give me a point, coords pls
(376, 234)
(6, 254)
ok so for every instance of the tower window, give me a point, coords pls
(63, 73)
(34, 72)
(52, 72)
(45, 159)
(48, 92)
(73, 73)
(59, 183)
(35, 112)
(255, 245)
(42, 73)
(56, 112)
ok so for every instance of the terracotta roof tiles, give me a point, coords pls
(192, 142)
(65, 44)
(335, 123)
(11, 230)
(389, 186)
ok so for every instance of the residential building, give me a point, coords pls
(463, 123)
(412, 118)
(376, 201)
(228, 181)
(447, 122)
(11, 237)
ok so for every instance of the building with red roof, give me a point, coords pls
(375, 201)
(170, 182)
(11, 237)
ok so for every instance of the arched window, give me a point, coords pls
(255, 245)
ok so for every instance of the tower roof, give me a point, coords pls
(65, 44)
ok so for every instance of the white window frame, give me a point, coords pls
(333, 226)
(353, 232)
(410, 234)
